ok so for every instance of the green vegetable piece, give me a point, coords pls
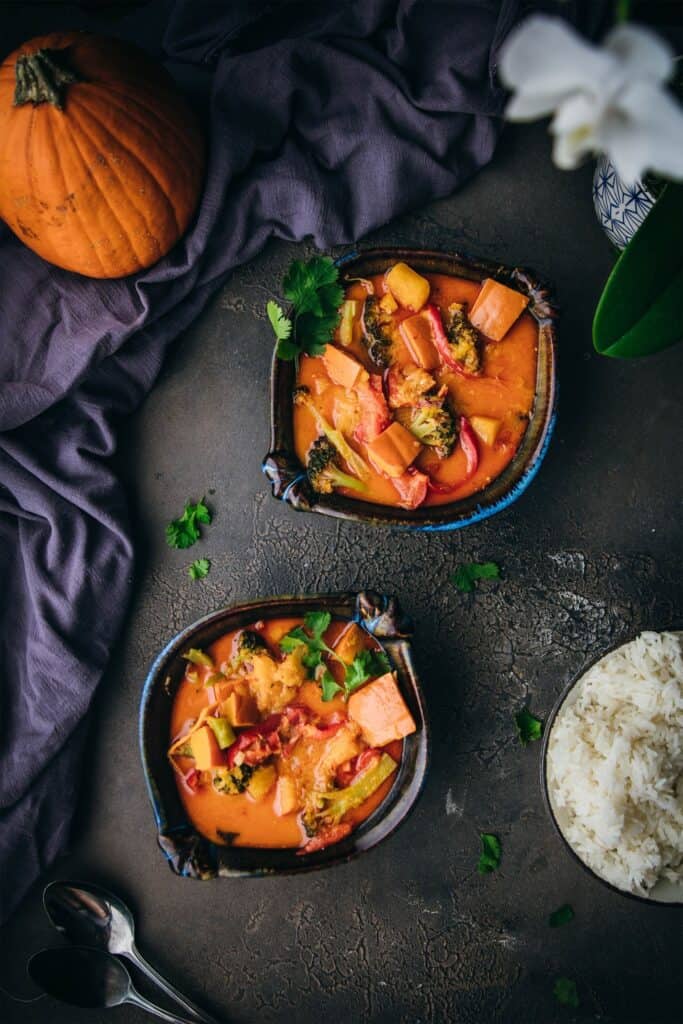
(230, 781)
(366, 665)
(565, 992)
(198, 657)
(329, 685)
(199, 569)
(184, 532)
(337, 802)
(641, 308)
(465, 575)
(348, 312)
(490, 855)
(563, 915)
(529, 727)
(223, 731)
(317, 623)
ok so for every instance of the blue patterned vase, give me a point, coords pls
(621, 209)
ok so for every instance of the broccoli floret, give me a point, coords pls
(248, 644)
(329, 807)
(324, 472)
(302, 396)
(377, 332)
(230, 781)
(433, 424)
(463, 338)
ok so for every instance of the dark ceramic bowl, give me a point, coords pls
(287, 475)
(664, 893)
(193, 855)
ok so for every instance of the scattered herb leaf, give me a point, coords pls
(199, 569)
(490, 853)
(528, 726)
(563, 915)
(183, 532)
(465, 575)
(565, 992)
(329, 685)
(366, 665)
(315, 293)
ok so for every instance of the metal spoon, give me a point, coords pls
(88, 915)
(90, 978)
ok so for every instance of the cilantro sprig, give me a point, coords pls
(314, 291)
(529, 727)
(490, 853)
(366, 665)
(199, 569)
(185, 531)
(467, 574)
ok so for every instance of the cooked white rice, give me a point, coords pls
(615, 764)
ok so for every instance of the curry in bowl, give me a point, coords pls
(287, 732)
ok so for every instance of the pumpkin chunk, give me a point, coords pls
(205, 750)
(485, 427)
(342, 368)
(393, 451)
(409, 288)
(496, 308)
(286, 797)
(381, 712)
(240, 709)
(350, 643)
(416, 331)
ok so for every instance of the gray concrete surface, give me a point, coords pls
(410, 933)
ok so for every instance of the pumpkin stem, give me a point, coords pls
(41, 77)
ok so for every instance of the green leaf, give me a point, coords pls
(281, 324)
(184, 531)
(490, 853)
(563, 915)
(302, 281)
(641, 308)
(465, 575)
(199, 569)
(295, 638)
(565, 992)
(528, 726)
(287, 350)
(328, 685)
(366, 665)
(313, 333)
(317, 623)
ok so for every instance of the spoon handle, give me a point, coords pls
(137, 1000)
(199, 1016)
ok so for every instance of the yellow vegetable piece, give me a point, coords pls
(485, 427)
(388, 303)
(261, 782)
(409, 288)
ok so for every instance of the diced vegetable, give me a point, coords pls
(222, 730)
(463, 339)
(240, 709)
(261, 782)
(337, 802)
(342, 368)
(388, 303)
(416, 332)
(198, 657)
(349, 311)
(350, 643)
(303, 397)
(393, 451)
(286, 797)
(485, 428)
(407, 385)
(231, 781)
(205, 750)
(411, 487)
(381, 712)
(409, 288)
(496, 308)
(375, 415)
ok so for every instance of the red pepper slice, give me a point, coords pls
(327, 727)
(191, 780)
(442, 344)
(264, 738)
(324, 838)
(468, 443)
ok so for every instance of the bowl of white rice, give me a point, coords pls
(612, 767)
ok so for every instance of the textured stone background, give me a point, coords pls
(410, 933)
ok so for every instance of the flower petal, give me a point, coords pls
(641, 53)
(544, 56)
(571, 148)
(644, 133)
(574, 113)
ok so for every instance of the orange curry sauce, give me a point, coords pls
(504, 390)
(255, 823)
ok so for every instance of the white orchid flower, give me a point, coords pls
(608, 99)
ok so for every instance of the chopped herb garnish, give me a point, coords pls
(313, 289)
(528, 726)
(183, 532)
(465, 575)
(563, 915)
(490, 853)
(199, 569)
(565, 992)
(366, 665)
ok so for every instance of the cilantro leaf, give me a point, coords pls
(317, 623)
(490, 853)
(199, 569)
(563, 915)
(465, 575)
(287, 350)
(302, 281)
(184, 531)
(313, 333)
(280, 323)
(528, 726)
(366, 665)
(328, 685)
(565, 992)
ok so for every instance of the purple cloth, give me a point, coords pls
(327, 120)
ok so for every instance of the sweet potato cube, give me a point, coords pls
(409, 288)
(392, 452)
(350, 643)
(342, 368)
(485, 427)
(240, 709)
(205, 750)
(286, 797)
(496, 308)
(381, 712)
(417, 334)
(388, 303)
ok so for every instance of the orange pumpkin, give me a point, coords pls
(101, 160)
